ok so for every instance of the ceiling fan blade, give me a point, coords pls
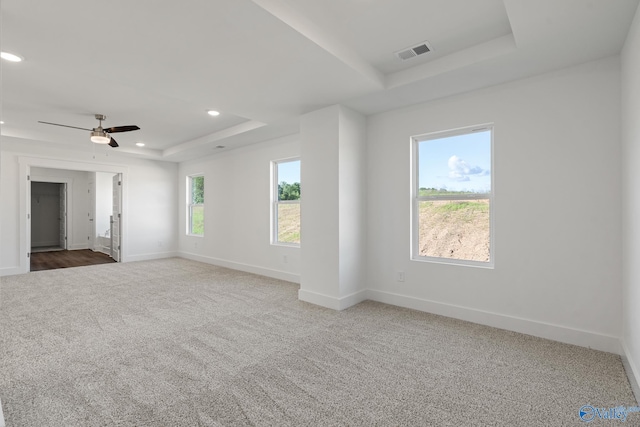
(66, 126)
(113, 143)
(122, 129)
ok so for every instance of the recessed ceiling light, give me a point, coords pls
(1, 122)
(140, 144)
(213, 113)
(10, 57)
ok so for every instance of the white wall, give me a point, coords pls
(77, 202)
(237, 210)
(320, 205)
(104, 202)
(557, 208)
(631, 199)
(333, 207)
(352, 199)
(150, 192)
(9, 214)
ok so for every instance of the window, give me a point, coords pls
(286, 202)
(195, 202)
(452, 197)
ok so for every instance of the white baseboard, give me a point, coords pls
(148, 257)
(632, 371)
(45, 244)
(1, 415)
(106, 251)
(563, 334)
(10, 271)
(276, 274)
(332, 302)
(77, 247)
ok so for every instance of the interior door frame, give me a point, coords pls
(26, 163)
(69, 190)
(64, 213)
(91, 217)
(116, 217)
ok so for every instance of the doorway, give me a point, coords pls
(48, 216)
(69, 218)
(74, 174)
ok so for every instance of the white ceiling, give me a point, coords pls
(262, 63)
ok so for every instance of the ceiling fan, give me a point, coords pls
(100, 135)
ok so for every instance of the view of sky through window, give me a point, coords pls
(289, 172)
(456, 163)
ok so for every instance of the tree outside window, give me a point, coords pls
(196, 205)
(286, 202)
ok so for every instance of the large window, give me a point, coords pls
(286, 202)
(453, 199)
(195, 186)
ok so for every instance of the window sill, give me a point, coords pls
(454, 262)
(287, 245)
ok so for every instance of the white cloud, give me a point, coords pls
(459, 170)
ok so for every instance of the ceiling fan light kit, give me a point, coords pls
(100, 135)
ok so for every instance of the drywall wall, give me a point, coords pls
(150, 194)
(352, 202)
(320, 207)
(9, 214)
(630, 60)
(237, 210)
(332, 148)
(557, 208)
(104, 202)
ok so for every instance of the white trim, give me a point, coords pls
(416, 198)
(191, 205)
(47, 243)
(287, 245)
(1, 415)
(633, 373)
(69, 209)
(150, 256)
(559, 333)
(25, 165)
(275, 202)
(10, 271)
(78, 246)
(276, 274)
(332, 302)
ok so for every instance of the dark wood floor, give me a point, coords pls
(63, 259)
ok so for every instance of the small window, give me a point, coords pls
(453, 198)
(195, 203)
(286, 202)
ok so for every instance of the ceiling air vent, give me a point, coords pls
(414, 51)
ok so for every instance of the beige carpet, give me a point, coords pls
(180, 343)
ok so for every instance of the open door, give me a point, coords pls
(92, 212)
(63, 216)
(116, 218)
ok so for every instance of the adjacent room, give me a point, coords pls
(347, 212)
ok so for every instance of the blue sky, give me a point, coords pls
(289, 172)
(456, 163)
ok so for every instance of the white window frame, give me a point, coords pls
(275, 202)
(416, 198)
(191, 205)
